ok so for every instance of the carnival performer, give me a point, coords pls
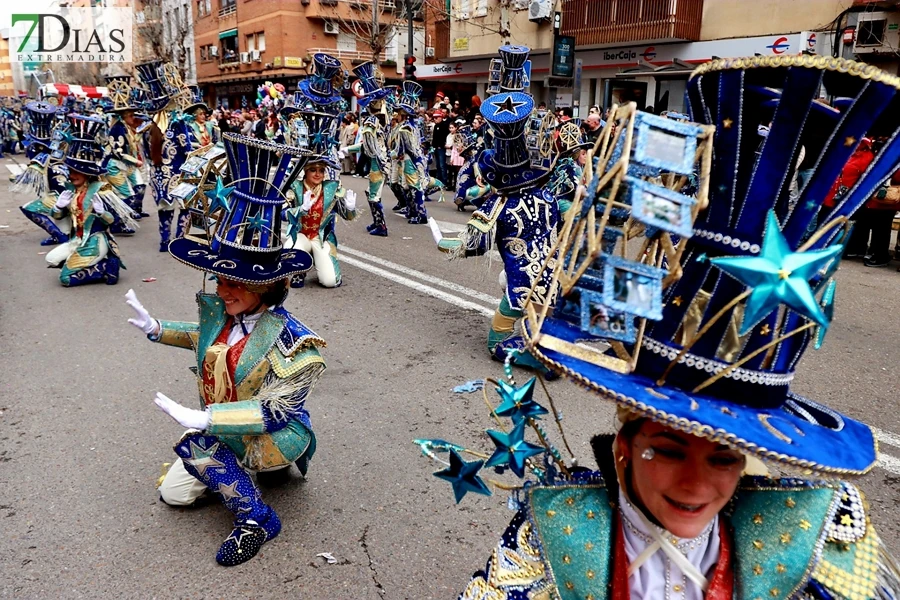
(705, 390)
(256, 362)
(569, 168)
(406, 151)
(203, 131)
(518, 189)
(45, 176)
(372, 144)
(471, 188)
(90, 206)
(167, 141)
(125, 139)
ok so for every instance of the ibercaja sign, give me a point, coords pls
(65, 35)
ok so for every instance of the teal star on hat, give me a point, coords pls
(294, 225)
(517, 402)
(463, 476)
(218, 196)
(257, 222)
(778, 276)
(512, 449)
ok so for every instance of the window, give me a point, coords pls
(261, 41)
(227, 3)
(203, 7)
(251, 42)
(462, 9)
(229, 49)
(481, 8)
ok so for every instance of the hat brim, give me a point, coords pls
(316, 97)
(771, 434)
(84, 167)
(197, 255)
(505, 180)
(196, 106)
(379, 94)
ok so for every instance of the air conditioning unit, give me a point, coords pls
(877, 33)
(214, 51)
(429, 52)
(539, 10)
(331, 28)
(245, 57)
(254, 56)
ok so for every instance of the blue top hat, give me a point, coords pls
(571, 138)
(507, 164)
(125, 97)
(408, 100)
(87, 140)
(297, 102)
(150, 74)
(372, 89)
(318, 86)
(196, 100)
(110, 78)
(466, 138)
(315, 133)
(512, 70)
(246, 216)
(756, 288)
(40, 120)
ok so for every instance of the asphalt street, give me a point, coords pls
(82, 444)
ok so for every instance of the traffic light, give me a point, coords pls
(410, 67)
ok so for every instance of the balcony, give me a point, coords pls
(596, 22)
(350, 10)
(226, 11)
(352, 56)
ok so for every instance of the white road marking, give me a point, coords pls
(449, 227)
(889, 463)
(419, 287)
(886, 437)
(460, 289)
(15, 169)
(885, 461)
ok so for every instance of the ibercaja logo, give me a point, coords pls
(95, 35)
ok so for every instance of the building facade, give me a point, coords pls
(644, 51)
(238, 44)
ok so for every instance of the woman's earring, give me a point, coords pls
(621, 458)
(648, 454)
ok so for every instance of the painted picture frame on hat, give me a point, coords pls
(184, 191)
(194, 166)
(214, 153)
(667, 145)
(597, 319)
(660, 207)
(633, 287)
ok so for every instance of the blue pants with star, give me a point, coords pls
(213, 463)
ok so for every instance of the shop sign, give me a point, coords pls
(461, 44)
(294, 62)
(563, 56)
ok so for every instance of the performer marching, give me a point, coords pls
(256, 362)
(406, 151)
(471, 189)
(203, 131)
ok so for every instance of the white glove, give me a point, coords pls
(97, 206)
(142, 320)
(307, 202)
(343, 149)
(341, 154)
(435, 230)
(187, 417)
(64, 199)
(350, 200)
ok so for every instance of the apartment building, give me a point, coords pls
(241, 43)
(644, 50)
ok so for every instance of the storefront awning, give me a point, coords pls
(677, 68)
(228, 34)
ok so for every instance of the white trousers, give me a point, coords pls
(180, 488)
(61, 253)
(322, 259)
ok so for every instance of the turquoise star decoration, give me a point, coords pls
(778, 276)
(257, 222)
(463, 476)
(218, 197)
(512, 449)
(293, 218)
(517, 402)
(828, 309)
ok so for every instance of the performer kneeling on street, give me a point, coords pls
(256, 363)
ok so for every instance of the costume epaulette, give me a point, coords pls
(295, 334)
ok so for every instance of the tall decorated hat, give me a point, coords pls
(40, 120)
(196, 100)
(409, 93)
(702, 325)
(311, 127)
(571, 138)
(125, 97)
(507, 164)
(370, 86)
(86, 142)
(241, 221)
(151, 76)
(319, 85)
(466, 138)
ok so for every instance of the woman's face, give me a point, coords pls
(314, 175)
(688, 480)
(238, 299)
(77, 179)
(581, 157)
(452, 128)
(200, 115)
